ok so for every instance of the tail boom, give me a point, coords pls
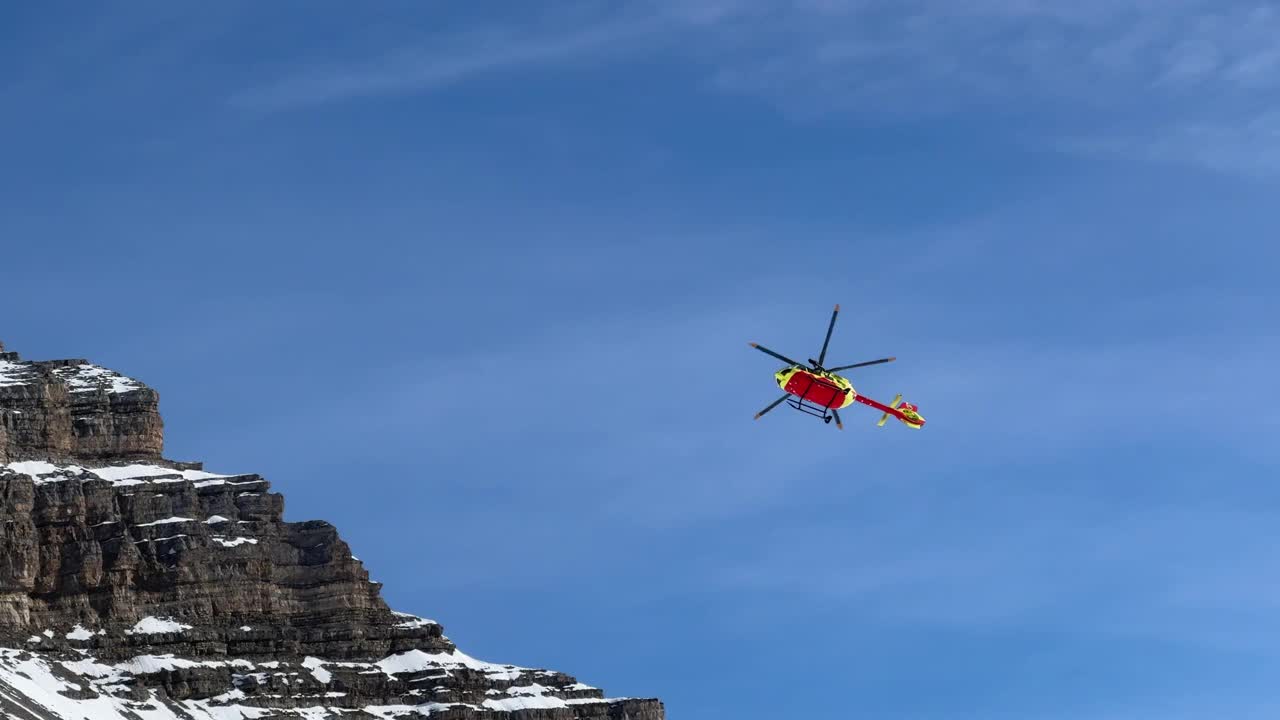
(914, 420)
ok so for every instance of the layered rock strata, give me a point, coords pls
(137, 588)
(75, 411)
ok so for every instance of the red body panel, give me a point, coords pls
(820, 392)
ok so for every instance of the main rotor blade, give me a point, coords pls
(823, 355)
(862, 364)
(836, 414)
(767, 351)
(772, 405)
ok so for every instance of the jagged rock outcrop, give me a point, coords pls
(137, 588)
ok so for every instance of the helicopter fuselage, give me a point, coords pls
(825, 389)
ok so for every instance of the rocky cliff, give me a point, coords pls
(138, 588)
(75, 411)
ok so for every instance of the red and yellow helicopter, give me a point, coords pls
(817, 389)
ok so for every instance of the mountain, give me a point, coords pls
(133, 587)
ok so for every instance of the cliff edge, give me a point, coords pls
(133, 587)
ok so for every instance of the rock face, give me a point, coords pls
(75, 411)
(137, 588)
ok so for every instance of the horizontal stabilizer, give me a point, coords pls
(897, 399)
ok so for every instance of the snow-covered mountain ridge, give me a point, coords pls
(133, 587)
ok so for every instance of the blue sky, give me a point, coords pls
(477, 288)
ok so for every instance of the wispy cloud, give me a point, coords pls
(1180, 81)
(439, 60)
(1178, 570)
(415, 70)
(1190, 81)
(1246, 145)
(968, 52)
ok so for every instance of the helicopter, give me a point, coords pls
(817, 390)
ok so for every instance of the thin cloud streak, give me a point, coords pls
(1181, 77)
(437, 62)
(1039, 559)
(413, 70)
(1248, 146)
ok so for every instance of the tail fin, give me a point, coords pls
(896, 399)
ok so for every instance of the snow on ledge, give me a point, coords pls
(91, 378)
(154, 625)
(119, 475)
(42, 683)
(412, 661)
(166, 521)
(410, 621)
(316, 666)
(13, 374)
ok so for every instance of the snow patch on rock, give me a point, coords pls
(154, 626)
(91, 378)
